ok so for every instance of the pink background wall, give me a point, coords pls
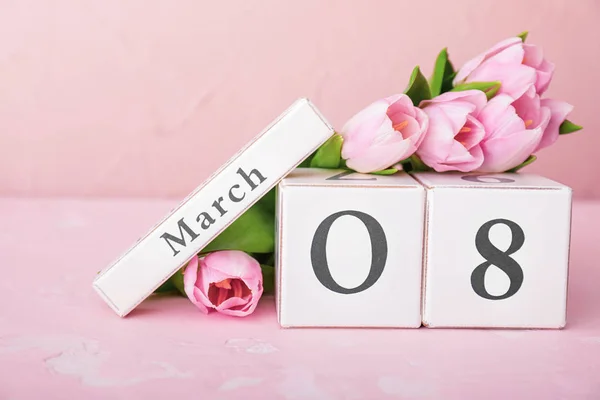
(149, 97)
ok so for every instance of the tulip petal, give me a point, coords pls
(500, 118)
(242, 310)
(372, 122)
(453, 131)
(207, 274)
(232, 302)
(375, 111)
(377, 142)
(412, 128)
(362, 128)
(400, 104)
(472, 64)
(544, 78)
(249, 309)
(438, 140)
(510, 55)
(382, 156)
(466, 161)
(457, 112)
(232, 264)
(416, 121)
(194, 294)
(534, 57)
(201, 301)
(529, 109)
(506, 152)
(466, 154)
(474, 135)
(458, 154)
(475, 97)
(423, 121)
(545, 116)
(477, 158)
(559, 111)
(516, 78)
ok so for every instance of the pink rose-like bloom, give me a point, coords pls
(229, 282)
(386, 132)
(516, 65)
(452, 142)
(513, 129)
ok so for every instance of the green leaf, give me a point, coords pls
(268, 273)
(523, 36)
(568, 127)
(414, 164)
(264, 258)
(525, 163)
(166, 287)
(389, 171)
(343, 165)
(489, 88)
(177, 281)
(443, 74)
(269, 201)
(174, 284)
(418, 87)
(329, 154)
(306, 162)
(252, 232)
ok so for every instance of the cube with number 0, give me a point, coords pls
(497, 251)
(349, 251)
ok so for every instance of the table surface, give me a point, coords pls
(58, 340)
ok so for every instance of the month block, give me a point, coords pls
(212, 206)
(496, 251)
(349, 251)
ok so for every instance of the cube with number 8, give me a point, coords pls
(349, 250)
(497, 251)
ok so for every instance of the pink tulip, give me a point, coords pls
(452, 142)
(513, 129)
(516, 65)
(229, 282)
(386, 132)
(559, 111)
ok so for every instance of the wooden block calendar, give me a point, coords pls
(444, 250)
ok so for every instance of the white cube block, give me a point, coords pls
(497, 251)
(212, 206)
(349, 250)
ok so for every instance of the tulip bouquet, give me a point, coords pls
(489, 116)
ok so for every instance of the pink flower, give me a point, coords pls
(229, 282)
(386, 132)
(452, 142)
(559, 111)
(516, 65)
(513, 129)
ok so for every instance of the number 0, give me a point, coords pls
(318, 252)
